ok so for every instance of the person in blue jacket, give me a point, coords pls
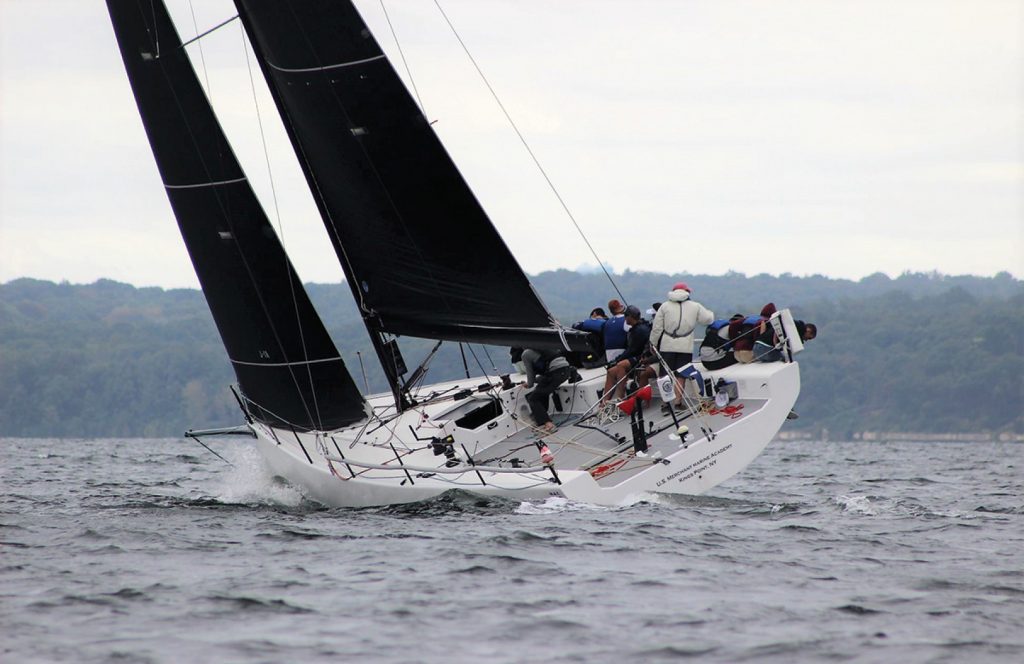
(625, 360)
(614, 330)
(611, 331)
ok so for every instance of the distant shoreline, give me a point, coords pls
(918, 354)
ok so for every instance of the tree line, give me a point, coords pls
(921, 352)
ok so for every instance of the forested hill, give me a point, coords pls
(922, 352)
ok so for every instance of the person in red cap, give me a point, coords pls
(672, 332)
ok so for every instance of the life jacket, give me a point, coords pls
(717, 334)
(740, 335)
(678, 333)
(614, 333)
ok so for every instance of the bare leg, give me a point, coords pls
(646, 374)
(623, 368)
(614, 381)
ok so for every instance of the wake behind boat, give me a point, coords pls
(422, 259)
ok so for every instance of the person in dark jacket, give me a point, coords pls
(637, 340)
(546, 370)
(743, 332)
(595, 326)
(716, 349)
(766, 348)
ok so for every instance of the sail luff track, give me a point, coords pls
(286, 364)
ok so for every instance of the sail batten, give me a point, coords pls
(420, 253)
(300, 363)
(198, 185)
(284, 360)
(338, 65)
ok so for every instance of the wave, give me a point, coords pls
(250, 482)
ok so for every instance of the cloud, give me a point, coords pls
(843, 138)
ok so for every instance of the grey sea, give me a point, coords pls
(157, 551)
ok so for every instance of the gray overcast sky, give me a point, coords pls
(840, 137)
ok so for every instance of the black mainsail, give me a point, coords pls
(286, 364)
(421, 255)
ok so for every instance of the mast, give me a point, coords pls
(421, 256)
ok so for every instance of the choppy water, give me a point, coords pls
(154, 550)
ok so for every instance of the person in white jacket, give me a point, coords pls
(672, 332)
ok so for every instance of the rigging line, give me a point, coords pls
(423, 109)
(228, 220)
(216, 27)
(280, 230)
(325, 211)
(693, 404)
(268, 411)
(220, 201)
(315, 183)
(202, 57)
(526, 145)
(209, 449)
(489, 360)
(492, 389)
(384, 189)
(156, 30)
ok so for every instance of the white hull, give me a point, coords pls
(384, 463)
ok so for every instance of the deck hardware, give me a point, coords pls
(472, 463)
(299, 441)
(245, 411)
(350, 472)
(399, 457)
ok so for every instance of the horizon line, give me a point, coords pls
(933, 274)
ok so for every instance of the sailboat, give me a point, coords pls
(422, 259)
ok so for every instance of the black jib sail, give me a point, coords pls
(286, 364)
(421, 256)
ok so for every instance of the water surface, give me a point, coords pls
(157, 551)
